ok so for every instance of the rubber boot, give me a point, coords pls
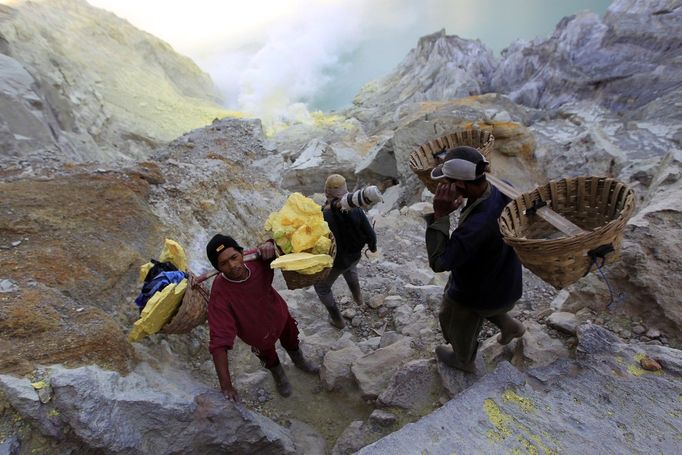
(510, 328)
(446, 355)
(301, 363)
(336, 318)
(281, 381)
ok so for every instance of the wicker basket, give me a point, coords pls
(297, 280)
(192, 311)
(599, 205)
(422, 159)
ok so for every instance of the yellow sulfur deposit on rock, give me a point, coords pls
(158, 311)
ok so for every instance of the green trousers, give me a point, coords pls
(461, 325)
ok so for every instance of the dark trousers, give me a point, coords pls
(462, 324)
(324, 287)
(289, 340)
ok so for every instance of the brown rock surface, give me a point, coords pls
(82, 236)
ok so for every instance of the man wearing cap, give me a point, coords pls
(243, 303)
(485, 273)
(352, 232)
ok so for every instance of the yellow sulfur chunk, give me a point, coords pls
(144, 270)
(298, 225)
(322, 246)
(159, 310)
(173, 252)
(307, 236)
(301, 261)
(311, 270)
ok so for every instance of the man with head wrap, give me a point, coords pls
(243, 303)
(485, 273)
(352, 232)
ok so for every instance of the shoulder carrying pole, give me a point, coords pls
(543, 211)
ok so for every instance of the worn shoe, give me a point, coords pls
(281, 381)
(446, 355)
(335, 317)
(301, 363)
(510, 328)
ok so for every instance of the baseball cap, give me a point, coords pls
(461, 163)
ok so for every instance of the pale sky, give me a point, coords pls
(269, 55)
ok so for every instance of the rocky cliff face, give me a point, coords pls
(623, 61)
(80, 84)
(441, 67)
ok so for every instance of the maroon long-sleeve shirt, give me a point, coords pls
(251, 309)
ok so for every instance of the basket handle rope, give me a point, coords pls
(600, 252)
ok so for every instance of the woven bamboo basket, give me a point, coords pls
(599, 205)
(192, 311)
(422, 159)
(297, 280)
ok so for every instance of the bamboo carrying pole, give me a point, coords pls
(545, 212)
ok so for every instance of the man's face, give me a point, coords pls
(231, 263)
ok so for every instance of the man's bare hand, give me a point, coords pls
(230, 393)
(446, 200)
(266, 250)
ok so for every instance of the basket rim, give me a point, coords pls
(590, 237)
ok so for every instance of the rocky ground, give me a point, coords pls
(402, 297)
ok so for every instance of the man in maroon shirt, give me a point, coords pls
(243, 303)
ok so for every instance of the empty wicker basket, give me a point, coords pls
(192, 311)
(599, 205)
(422, 159)
(297, 280)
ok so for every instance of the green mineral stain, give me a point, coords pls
(525, 404)
(679, 398)
(52, 413)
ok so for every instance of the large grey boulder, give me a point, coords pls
(335, 371)
(374, 370)
(583, 407)
(146, 412)
(415, 386)
(317, 161)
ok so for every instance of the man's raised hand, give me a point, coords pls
(446, 200)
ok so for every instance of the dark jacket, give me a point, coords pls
(485, 271)
(352, 232)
